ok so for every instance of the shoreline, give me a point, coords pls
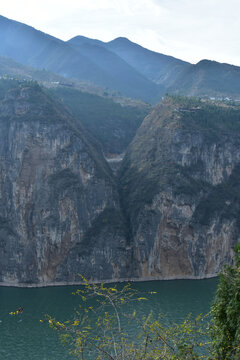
(109, 281)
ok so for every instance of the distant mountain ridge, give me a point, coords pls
(11, 68)
(118, 65)
(32, 47)
(159, 68)
(208, 78)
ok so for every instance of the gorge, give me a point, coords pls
(170, 211)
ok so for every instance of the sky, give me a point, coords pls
(190, 30)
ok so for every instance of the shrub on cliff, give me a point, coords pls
(225, 330)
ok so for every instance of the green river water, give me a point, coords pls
(23, 337)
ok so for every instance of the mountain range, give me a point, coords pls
(119, 65)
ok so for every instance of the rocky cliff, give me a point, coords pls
(58, 199)
(171, 211)
(180, 187)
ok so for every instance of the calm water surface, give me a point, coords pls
(25, 338)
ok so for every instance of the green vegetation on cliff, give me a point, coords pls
(207, 115)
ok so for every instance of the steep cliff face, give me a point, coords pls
(180, 187)
(58, 199)
(174, 212)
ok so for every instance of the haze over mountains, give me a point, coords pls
(31, 47)
(119, 65)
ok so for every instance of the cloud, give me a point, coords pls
(206, 28)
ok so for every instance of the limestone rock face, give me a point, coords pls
(58, 198)
(171, 211)
(180, 185)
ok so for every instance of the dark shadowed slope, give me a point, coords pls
(112, 124)
(130, 81)
(159, 68)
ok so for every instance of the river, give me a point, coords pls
(24, 337)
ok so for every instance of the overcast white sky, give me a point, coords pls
(187, 29)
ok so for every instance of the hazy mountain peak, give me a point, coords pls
(121, 39)
(207, 62)
(80, 39)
